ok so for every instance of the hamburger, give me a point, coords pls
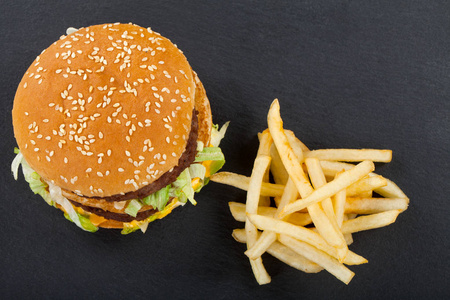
(114, 127)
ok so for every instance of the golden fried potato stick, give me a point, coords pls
(370, 222)
(367, 184)
(260, 166)
(268, 237)
(238, 212)
(374, 205)
(303, 234)
(318, 179)
(284, 254)
(279, 173)
(346, 179)
(352, 155)
(292, 162)
(242, 182)
(391, 190)
(321, 258)
(265, 200)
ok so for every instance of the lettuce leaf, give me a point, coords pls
(129, 228)
(217, 135)
(215, 166)
(133, 207)
(213, 154)
(37, 185)
(184, 187)
(16, 163)
(209, 153)
(197, 171)
(159, 199)
(50, 193)
(85, 222)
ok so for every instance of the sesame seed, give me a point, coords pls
(99, 174)
(120, 169)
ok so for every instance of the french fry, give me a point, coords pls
(295, 143)
(319, 257)
(370, 222)
(352, 155)
(318, 179)
(374, 205)
(339, 200)
(366, 184)
(265, 142)
(280, 176)
(348, 236)
(284, 254)
(242, 182)
(367, 194)
(303, 234)
(238, 212)
(262, 244)
(265, 200)
(391, 190)
(268, 237)
(332, 233)
(288, 156)
(261, 275)
(289, 195)
(347, 178)
(261, 164)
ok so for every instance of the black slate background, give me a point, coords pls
(347, 73)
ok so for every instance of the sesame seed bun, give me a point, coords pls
(108, 109)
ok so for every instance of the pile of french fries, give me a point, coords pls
(320, 201)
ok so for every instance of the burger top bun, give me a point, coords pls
(105, 110)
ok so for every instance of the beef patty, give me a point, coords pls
(116, 216)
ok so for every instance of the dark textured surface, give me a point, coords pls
(347, 73)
